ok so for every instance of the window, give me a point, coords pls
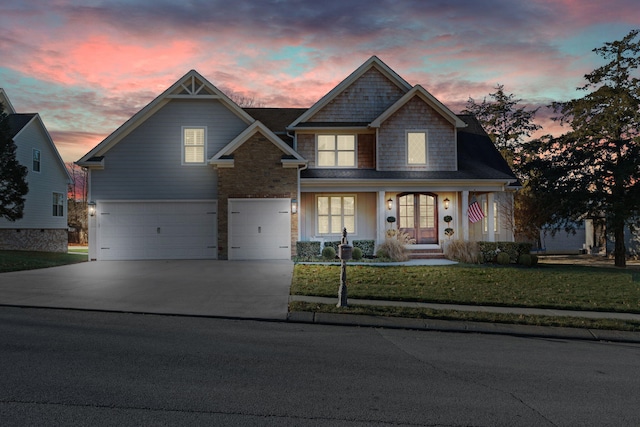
(417, 148)
(336, 213)
(58, 204)
(485, 220)
(336, 151)
(193, 145)
(36, 160)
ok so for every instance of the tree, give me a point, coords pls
(508, 125)
(13, 184)
(77, 203)
(595, 167)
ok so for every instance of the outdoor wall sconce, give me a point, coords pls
(294, 206)
(389, 204)
(92, 208)
(446, 203)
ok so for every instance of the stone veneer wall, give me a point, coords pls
(257, 173)
(29, 239)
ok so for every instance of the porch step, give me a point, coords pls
(425, 254)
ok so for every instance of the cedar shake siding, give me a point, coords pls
(365, 142)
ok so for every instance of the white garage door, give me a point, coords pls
(259, 229)
(157, 230)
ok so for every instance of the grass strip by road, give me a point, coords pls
(27, 260)
(546, 286)
(470, 316)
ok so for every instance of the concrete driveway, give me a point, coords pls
(238, 289)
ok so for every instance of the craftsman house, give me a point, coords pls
(43, 226)
(193, 175)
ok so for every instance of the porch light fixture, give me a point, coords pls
(92, 208)
(294, 206)
(446, 203)
(389, 204)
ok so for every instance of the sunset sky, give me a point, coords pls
(88, 65)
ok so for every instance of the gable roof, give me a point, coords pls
(4, 98)
(191, 86)
(373, 62)
(422, 93)
(17, 122)
(290, 157)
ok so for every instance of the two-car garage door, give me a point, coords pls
(157, 230)
(133, 230)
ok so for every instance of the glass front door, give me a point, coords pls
(417, 216)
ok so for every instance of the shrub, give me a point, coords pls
(534, 260)
(367, 246)
(307, 250)
(329, 253)
(461, 251)
(356, 253)
(503, 258)
(525, 259)
(489, 250)
(394, 246)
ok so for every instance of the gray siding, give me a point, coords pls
(147, 163)
(38, 207)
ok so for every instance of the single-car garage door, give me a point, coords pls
(259, 229)
(157, 230)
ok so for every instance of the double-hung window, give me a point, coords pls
(58, 204)
(416, 148)
(194, 150)
(335, 213)
(36, 160)
(336, 151)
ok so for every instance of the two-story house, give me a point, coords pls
(43, 226)
(193, 175)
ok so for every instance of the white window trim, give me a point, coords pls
(355, 215)
(426, 146)
(183, 147)
(53, 196)
(33, 154)
(355, 151)
(485, 220)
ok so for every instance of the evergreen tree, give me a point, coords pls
(13, 185)
(594, 168)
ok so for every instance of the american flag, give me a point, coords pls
(475, 212)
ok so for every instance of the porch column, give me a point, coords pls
(491, 234)
(465, 216)
(381, 208)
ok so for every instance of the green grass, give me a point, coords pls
(26, 260)
(546, 286)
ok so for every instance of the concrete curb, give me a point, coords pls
(461, 326)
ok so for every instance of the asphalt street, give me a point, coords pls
(73, 367)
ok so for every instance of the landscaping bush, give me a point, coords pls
(367, 246)
(394, 246)
(356, 253)
(307, 250)
(461, 251)
(334, 244)
(329, 253)
(534, 260)
(525, 259)
(489, 250)
(503, 258)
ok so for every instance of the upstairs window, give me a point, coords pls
(417, 148)
(36, 160)
(58, 204)
(336, 151)
(193, 145)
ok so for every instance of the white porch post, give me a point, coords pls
(491, 234)
(465, 216)
(382, 217)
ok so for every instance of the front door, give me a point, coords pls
(418, 216)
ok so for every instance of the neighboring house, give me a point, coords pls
(43, 226)
(193, 175)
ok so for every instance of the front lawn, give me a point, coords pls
(27, 260)
(545, 286)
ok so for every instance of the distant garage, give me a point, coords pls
(259, 229)
(135, 230)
